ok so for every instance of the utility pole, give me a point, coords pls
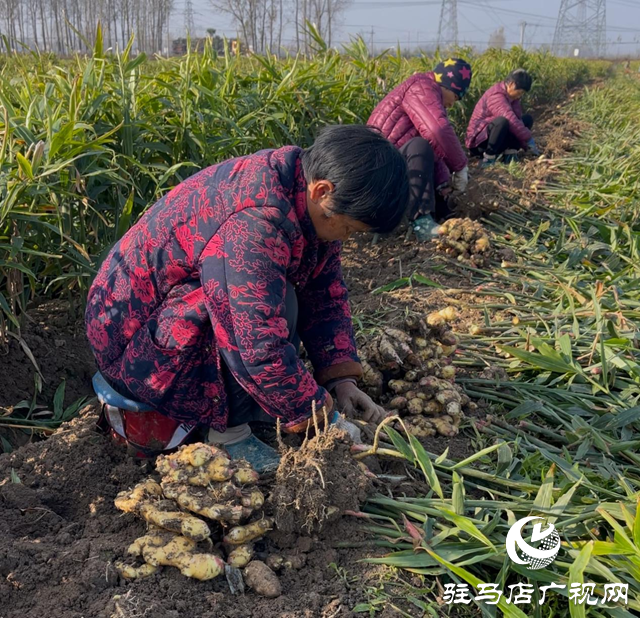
(371, 41)
(582, 25)
(448, 27)
(523, 26)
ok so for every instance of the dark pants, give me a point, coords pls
(500, 137)
(242, 407)
(423, 198)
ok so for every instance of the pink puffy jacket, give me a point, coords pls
(415, 108)
(494, 103)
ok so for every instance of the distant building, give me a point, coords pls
(179, 46)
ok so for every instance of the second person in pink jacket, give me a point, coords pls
(497, 124)
(413, 117)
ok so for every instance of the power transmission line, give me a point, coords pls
(448, 26)
(582, 26)
(189, 23)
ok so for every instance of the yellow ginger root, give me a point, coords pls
(155, 537)
(252, 498)
(419, 426)
(293, 561)
(448, 372)
(240, 556)
(129, 500)
(432, 408)
(204, 502)
(245, 474)
(423, 390)
(398, 403)
(241, 535)
(400, 387)
(197, 455)
(390, 349)
(439, 318)
(415, 406)
(165, 515)
(144, 501)
(214, 466)
(465, 240)
(445, 426)
(131, 572)
(372, 377)
(179, 552)
(223, 502)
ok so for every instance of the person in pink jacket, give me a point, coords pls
(413, 117)
(497, 125)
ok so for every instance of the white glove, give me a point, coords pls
(351, 428)
(460, 179)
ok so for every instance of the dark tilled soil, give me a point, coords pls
(368, 267)
(55, 336)
(61, 534)
(310, 493)
(60, 531)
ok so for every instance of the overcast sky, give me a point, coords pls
(414, 22)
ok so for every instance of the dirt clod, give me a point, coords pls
(317, 483)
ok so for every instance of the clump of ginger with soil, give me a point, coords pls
(318, 482)
(465, 240)
(205, 512)
(410, 372)
(203, 501)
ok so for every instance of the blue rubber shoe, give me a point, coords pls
(261, 456)
(425, 228)
(488, 160)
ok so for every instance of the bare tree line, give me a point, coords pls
(261, 24)
(60, 25)
(63, 26)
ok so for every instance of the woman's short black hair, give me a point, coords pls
(369, 174)
(521, 79)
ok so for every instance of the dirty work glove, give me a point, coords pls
(261, 456)
(444, 188)
(425, 228)
(344, 425)
(353, 403)
(532, 147)
(460, 179)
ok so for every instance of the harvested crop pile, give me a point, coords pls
(198, 482)
(62, 536)
(317, 483)
(411, 373)
(465, 240)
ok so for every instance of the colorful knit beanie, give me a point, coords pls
(455, 75)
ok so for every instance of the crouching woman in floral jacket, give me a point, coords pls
(196, 315)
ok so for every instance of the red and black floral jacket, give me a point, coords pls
(201, 278)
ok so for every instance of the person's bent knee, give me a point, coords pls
(417, 146)
(500, 122)
(527, 121)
